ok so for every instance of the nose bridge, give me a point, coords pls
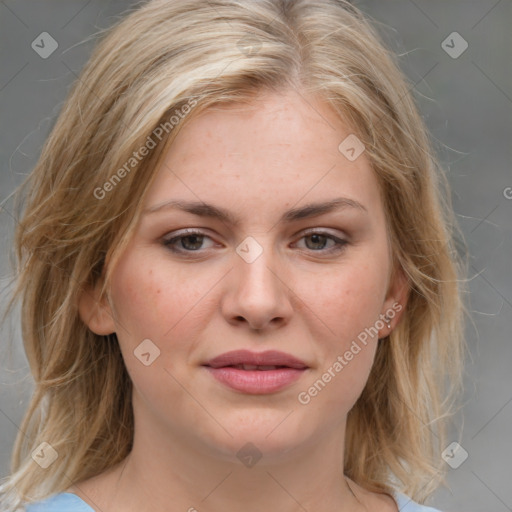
(258, 263)
(258, 294)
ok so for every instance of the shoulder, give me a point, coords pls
(63, 502)
(69, 502)
(406, 504)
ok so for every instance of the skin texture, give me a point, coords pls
(296, 297)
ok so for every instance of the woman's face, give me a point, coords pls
(273, 276)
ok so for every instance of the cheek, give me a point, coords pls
(137, 294)
(348, 299)
(348, 303)
(158, 301)
(364, 294)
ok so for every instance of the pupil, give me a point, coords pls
(315, 237)
(193, 237)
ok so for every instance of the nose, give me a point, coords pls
(257, 294)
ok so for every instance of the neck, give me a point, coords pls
(160, 476)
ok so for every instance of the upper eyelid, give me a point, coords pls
(320, 230)
(204, 232)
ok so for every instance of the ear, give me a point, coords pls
(395, 302)
(95, 311)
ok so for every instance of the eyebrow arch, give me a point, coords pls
(208, 210)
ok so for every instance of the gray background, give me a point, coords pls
(467, 104)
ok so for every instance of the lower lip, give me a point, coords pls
(256, 382)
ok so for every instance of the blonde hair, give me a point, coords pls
(161, 58)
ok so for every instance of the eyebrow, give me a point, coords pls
(209, 210)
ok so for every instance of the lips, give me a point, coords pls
(247, 360)
(256, 373)
(247, 367)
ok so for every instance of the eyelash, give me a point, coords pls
(340, 243)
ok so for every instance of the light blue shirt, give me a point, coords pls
(68, 502)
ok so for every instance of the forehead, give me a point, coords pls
(280, 151)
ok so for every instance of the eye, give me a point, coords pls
(319, 239)
(189, 241)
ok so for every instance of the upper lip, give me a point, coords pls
(268, 358)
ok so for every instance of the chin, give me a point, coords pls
(272, 434)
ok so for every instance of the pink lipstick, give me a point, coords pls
(256, 372)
